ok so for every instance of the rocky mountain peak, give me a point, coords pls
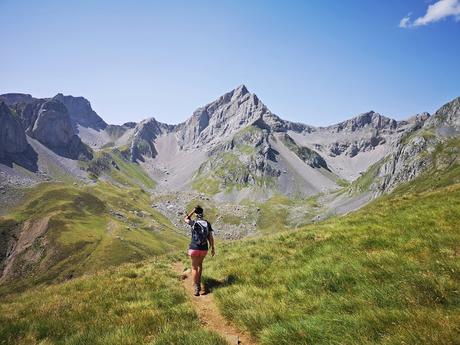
(370, 119)
(81, 113)
(53, 129)
(226, 115)
(145, 133)
(239, 91)
(448, 116)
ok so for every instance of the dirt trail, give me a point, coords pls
(209, 314)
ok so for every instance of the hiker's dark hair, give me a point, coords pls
(198, 210)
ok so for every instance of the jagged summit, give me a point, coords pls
(240, 91)
(227, 114)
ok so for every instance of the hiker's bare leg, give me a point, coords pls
(196, 263)
(200, 269)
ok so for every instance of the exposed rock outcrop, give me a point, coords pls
(145, 133)
(12, 137)
(413, 153)
(80, 112)
(447, 117)
(309, 156)
(370, 119)
(53, 129)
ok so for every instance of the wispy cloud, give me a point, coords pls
(405, 22)
(441, 9)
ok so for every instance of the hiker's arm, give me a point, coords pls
(187, 218)
(211, 243)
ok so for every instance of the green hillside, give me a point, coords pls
(88, 228)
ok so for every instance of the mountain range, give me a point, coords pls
(232, 148)
(63, 168)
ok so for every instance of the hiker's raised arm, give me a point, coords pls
(188, 216)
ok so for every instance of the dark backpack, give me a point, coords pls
(200, 232)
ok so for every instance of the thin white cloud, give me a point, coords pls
(405, 22)
(435, 12)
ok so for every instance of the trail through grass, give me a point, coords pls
(134, 304)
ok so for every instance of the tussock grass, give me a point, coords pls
(387, 274)
(134, 304)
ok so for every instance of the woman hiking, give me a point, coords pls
(198, 248)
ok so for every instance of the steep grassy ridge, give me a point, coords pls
(134, 304)
(89, 228)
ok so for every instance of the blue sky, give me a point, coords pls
(317, 62)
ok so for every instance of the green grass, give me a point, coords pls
(113, 163)
(130, 173)
(363, 183)
(134, 304)
(83, 235)
(281, 213)
(206, 185)
(387, 274)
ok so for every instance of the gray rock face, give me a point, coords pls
(412, 154)
(80, 112)
(370, 119)
(15, 98)
(28, 113)
(53, 129)
(145, 133)
(246, 159)
(447, 116)
(12, 137)
(309, 156)
(221, 118)
(405, 163)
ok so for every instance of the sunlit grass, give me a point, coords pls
(134, 304)
(387, 274)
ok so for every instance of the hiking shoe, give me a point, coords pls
(197, 290)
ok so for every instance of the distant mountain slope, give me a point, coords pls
(61, 231)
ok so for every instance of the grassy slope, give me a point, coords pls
(111, 162)
(83, 235)
(134, 304)
(387, 274)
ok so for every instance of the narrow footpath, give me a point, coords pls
(208, 313)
